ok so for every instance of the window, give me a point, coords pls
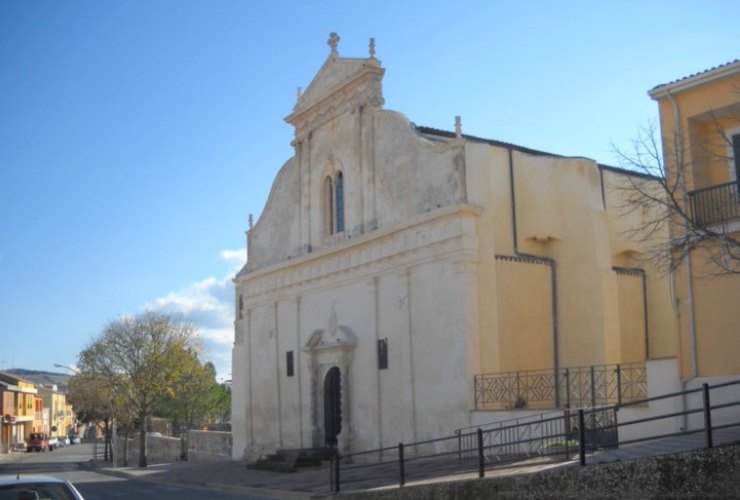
(289, 363)
(241, 307)
(328, 206)
(383, 354)
(333, 196)
(340, 203)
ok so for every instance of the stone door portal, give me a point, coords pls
(330, 363)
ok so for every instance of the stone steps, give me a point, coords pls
(291, 460)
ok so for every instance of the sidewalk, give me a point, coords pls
(230, 476)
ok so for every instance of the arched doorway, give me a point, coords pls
(332, 406)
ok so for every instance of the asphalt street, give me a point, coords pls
(71, 462)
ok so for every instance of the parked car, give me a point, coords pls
(32, 486)
(63, 441)
(38, 441)
(53, 443)
(74, 439)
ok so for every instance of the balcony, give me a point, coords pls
(716, 204)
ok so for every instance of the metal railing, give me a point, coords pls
(535, 435)
(566, 388)
(556, 436)
(715, 204)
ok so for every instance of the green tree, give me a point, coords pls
(221, 403)
(188, 402)
(140, 360)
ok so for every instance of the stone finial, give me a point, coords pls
(372, 48)
(458, 127)
(251, 221)
(333, 324)
(333, 42)
(298, 94)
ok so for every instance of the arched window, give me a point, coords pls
(328, 206)
(340, 203)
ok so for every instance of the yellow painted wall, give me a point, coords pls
(570, 212)
(630, 252)
(705, 108)
(717, 316)
(525, 316)
(631, 318)
(698, 108)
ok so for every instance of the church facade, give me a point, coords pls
(394, 264)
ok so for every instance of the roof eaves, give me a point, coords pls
(493, 142)
(451, 135)
(627, 171)
(687, 82)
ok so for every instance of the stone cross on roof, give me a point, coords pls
(333, 42)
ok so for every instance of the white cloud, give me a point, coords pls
(237, 258)
(209, 306)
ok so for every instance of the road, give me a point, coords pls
(68, 463)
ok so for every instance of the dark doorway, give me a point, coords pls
(332, 406)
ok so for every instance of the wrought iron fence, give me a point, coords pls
(715, 204)
(557, 436)
(588, 386)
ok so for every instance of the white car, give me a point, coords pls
(32, 486)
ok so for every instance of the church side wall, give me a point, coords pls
(628, 252)
(561, 214)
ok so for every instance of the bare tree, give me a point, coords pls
(137, 357)
(93, 404)
(673, 225)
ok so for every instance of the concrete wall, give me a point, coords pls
(662, 378)
(700, 474)
(199, 446)
(208, 446)
(159, 450)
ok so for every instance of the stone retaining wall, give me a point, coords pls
(159, 449)
(199, 446)
(713, 473)
(208, 446)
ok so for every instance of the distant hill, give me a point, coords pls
(42, 377)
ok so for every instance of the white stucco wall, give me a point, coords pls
(392, 285)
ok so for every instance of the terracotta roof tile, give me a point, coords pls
(697, 74)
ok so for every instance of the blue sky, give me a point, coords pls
(137, 136)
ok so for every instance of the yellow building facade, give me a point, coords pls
(60, 418)
(18, 410)
(700, 128)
